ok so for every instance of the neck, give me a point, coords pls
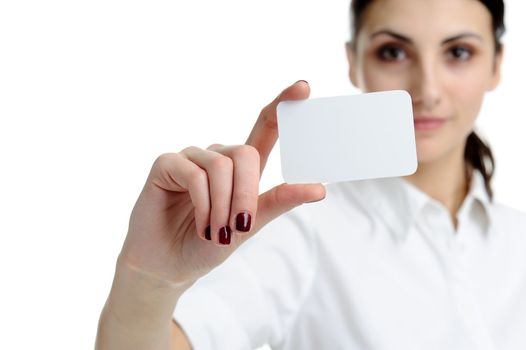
(444, 180)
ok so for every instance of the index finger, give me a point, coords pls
(265, 131)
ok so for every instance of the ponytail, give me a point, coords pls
(479, 155)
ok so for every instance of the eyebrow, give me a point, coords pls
(409, 41)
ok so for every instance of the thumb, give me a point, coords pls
(285, 197)
(265, 131)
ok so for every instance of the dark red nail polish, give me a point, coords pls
(224, 235)
(243, 221)
(207, 233)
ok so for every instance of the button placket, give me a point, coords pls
(462, 290)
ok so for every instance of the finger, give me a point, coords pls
(243, 207)
(174, 172)
(285, 197)
(265, 132)
(219, 169)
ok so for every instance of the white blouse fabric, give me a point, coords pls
(376, 265)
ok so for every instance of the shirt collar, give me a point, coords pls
(480, 195)
(399, 203)
(478, 191)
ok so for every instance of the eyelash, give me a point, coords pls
(464, 49)
(388, 52)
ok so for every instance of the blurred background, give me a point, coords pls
(91, 92)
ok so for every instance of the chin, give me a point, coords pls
(424, 158)
(432, 149)
(428, 151)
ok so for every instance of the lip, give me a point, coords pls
(426, 123)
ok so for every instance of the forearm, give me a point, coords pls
(138, 312)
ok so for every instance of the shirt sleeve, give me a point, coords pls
(254, 296)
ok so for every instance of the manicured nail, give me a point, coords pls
(207, 233)
(305, 81)
(243, 221)
(224, 235)
(316, 200)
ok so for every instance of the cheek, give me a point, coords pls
(465, 91)
(375, 77)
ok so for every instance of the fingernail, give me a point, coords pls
(315, 200)
(207, 233)
(243, 221)
(305, 81)
(224, 235)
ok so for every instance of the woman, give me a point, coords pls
(426, 261)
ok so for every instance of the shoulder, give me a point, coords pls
(505, 216)
(508, 227)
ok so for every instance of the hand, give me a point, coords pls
(198, 194)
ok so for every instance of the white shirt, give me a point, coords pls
(376, 265)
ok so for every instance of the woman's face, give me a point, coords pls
(442, 52)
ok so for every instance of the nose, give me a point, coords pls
(426, 89)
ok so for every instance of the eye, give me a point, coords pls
(459, 53)
(391, 53)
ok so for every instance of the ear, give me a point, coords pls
(496, 74)
(351, 58)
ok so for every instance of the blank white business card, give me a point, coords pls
(346, 138)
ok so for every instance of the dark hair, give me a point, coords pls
(477, 152)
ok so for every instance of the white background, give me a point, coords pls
(91, 92)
